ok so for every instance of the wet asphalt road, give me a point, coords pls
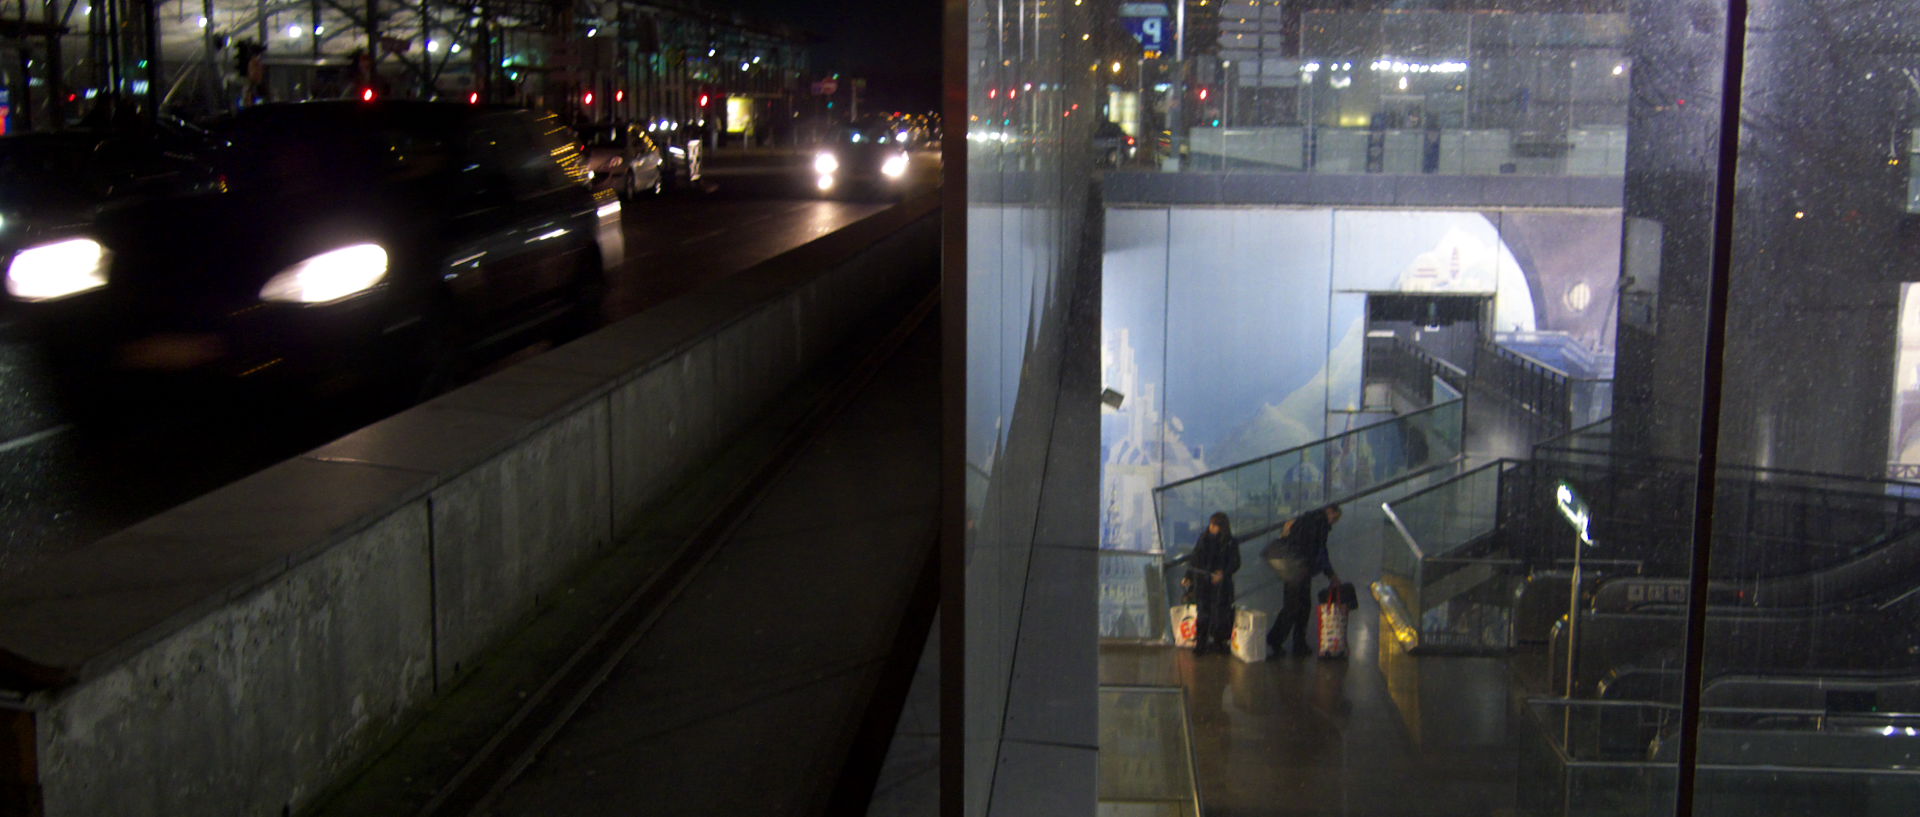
(64, 484)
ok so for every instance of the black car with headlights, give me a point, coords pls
(54, 186)
(347, 242)
(862, 167)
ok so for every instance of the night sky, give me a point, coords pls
(894, 45)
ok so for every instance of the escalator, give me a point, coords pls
(1811, 693)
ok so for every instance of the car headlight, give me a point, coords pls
(895, 166)
(57, 270)
(825, 163)
(329, 276)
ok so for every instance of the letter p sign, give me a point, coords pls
(1150, 32)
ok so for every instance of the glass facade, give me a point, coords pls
(1658, 548)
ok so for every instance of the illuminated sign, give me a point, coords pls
(1575, 510)
(1152, 32)
(739, 114)
(1148, 23)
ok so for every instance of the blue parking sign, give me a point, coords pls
(1150, 31)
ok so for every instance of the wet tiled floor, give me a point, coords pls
(1381, 734)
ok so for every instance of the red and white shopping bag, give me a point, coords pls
(1330, 622)
(1186, 623)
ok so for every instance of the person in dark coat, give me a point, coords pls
(1300, 554)
(1210, 573)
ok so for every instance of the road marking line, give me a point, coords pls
(35, 437)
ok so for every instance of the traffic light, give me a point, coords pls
(704, 99)
(366, 94)
(1203, 94)
(619, 95)
(587, 98)
(473, 98)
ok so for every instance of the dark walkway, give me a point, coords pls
(748, 691)
(742, 698)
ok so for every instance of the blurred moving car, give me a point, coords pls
(1111, 144)
(54, 185)
(350, 243)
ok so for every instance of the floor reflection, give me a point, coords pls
(1383, 733)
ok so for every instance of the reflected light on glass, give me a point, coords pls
(330, 276)
(825, 163)
(895, 166)
(57, 270)
(824, 182)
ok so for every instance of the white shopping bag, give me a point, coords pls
(1249, 635)
(1330, 622)
(1186, 623)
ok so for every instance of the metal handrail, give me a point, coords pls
(1530, 360)
(1405, 535)
(1298, 448)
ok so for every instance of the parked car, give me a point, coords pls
(624, 159)
(630, 159)
(349, 242)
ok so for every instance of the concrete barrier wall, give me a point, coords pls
(239, 653)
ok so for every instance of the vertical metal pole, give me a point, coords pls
(214, 85)
(116, 68)
(373, 32)
(954, 95)
(1176, 114)
(156, 78)
(427, 75)
(1711, 377)
(56, 85)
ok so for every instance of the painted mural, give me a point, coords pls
(1235, 333)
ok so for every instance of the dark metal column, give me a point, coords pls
(156, 78)
(1720, 272)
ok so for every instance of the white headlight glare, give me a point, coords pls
(57, 270)
(895, 166)
(825, 163)
(329, 276)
